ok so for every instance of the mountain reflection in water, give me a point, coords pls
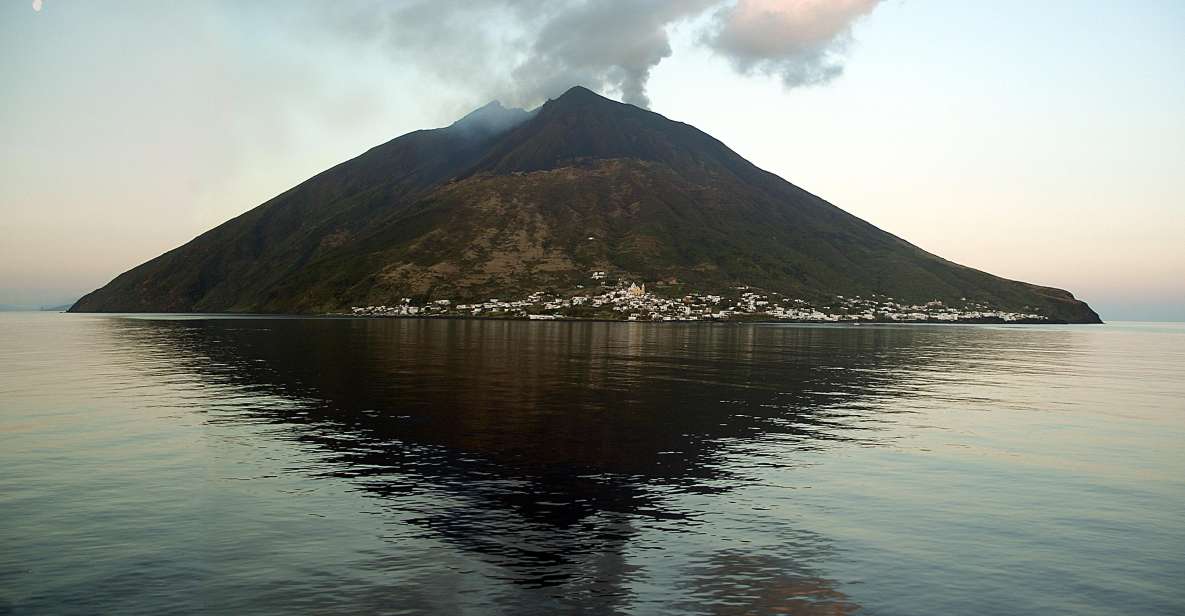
(538, 445)
(443, 466)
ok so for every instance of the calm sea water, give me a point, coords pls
(249, 465)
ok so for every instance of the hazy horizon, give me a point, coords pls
(999, 137)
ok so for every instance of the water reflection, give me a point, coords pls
(541, 447)
(633, 400)
(343, 466)
(775, 587)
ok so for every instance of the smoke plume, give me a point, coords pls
(525, 51)
(800, 41)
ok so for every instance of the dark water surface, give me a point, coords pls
(174, 465)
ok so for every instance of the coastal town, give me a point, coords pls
(630, 301)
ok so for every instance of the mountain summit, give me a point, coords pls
(505, 203)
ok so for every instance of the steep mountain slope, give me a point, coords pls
(506, 202)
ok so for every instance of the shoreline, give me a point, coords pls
(984, 321)
(339, 315)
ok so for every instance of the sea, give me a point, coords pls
(157, 464)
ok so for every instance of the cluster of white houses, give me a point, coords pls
(631, 302)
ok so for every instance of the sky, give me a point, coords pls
(1043, 142)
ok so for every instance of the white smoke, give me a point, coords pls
(801, 41)
(524, 51)
(611, 45)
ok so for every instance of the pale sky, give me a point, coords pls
(1040, 141)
